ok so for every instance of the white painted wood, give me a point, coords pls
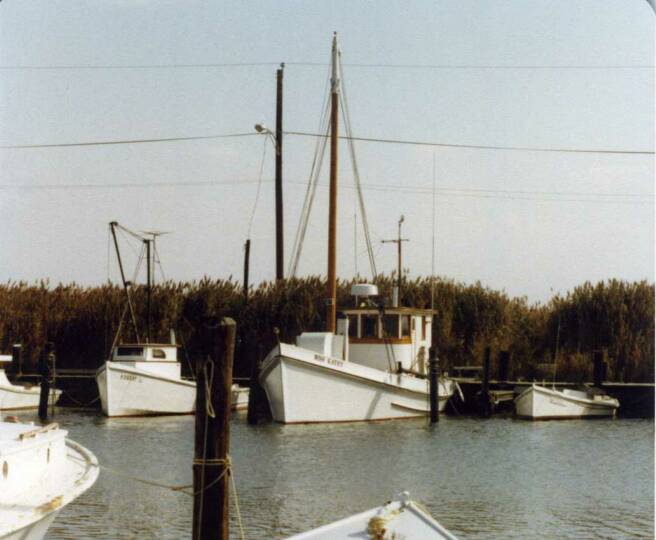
(400, 518)
(141, 385)
(305, 386)
(18, 396)
(40, 473)
(239, 398)
(541, 403)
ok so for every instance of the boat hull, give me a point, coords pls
(36, 489)
(540, 403)
(305, 387)
(128, 391)
(16, 396)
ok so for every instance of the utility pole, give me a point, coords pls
(148, 287)
(278, 142)
(398, 241)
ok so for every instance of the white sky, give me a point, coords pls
(504, 235)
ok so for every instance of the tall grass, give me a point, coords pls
(615, 316)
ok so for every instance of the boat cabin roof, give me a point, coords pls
(149, 345)
(373, 310)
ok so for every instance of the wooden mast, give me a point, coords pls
(332, 209)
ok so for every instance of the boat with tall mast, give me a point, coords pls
(143, 378)
(370, 364)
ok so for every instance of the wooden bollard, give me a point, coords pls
(504, 364)
(598, 368)
(211, 460)
(17, 359)
(433, 374)
(46, 365)
(484, 394)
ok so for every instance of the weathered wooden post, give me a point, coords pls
(211, 460)
(433, 374)
(504, 364)
(598, 368)
(247, 256)
(17, 359)
(484, 395)
(46, 365)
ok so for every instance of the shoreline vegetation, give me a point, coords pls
(614, 316)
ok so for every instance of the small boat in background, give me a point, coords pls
(42, 471)
(239, 397)
(541, 403)
(144, 379)
(401, 518)
(19, 396)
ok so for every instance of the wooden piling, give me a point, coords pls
(598, 368)
(485, 408)
(46, 365)
(212, 436)
(433, 374)
(504, 365)
(17, 359)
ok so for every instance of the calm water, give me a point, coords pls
(499, 478)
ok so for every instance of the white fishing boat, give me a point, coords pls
(144, 379)
(19, 396)
(369, 365)
(401, 518)
(42, 472)
(239, 397)
(539, 402)
(373, 368)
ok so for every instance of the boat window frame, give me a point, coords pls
(367, 317)
(388, 317)
(132, 350)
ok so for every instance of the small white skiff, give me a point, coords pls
(239, 397)
(399, 519)
(41, 472)
(144, 379)
(541, 403)
(19, 396)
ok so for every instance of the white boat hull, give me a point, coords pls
(44, 473)
(16, 396)
(400, 518)
(127, 391)
(541, 403)
(239, 398)
(305, 387)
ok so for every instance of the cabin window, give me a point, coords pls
(129, 351)
(423, 328)
(369, 326)
(391, 326)
(405, 325)
(5, 470)
(159, 353)
(353, 326)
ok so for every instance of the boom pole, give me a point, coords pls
(126, 284)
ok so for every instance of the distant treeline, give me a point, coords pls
(614, 316)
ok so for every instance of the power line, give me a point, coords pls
(554, 196)
(308, 134)
(126, 141)
(478, 146)
(357, 65)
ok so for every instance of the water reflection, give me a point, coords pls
(480, 479)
